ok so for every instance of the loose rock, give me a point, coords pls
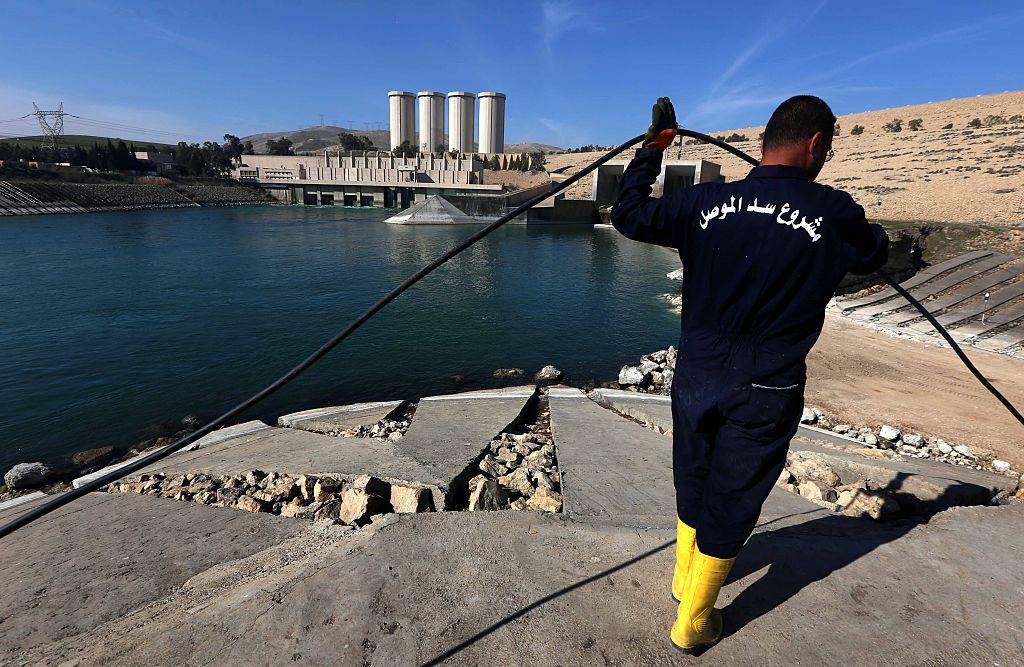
(27, 476)
(488, 496)
(545, 500)
(548, 374)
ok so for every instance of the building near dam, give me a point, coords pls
(454, 171)
(374, 180)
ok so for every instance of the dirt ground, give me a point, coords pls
(947, 171)
(866, 377)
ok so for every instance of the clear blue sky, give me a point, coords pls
(575, 71)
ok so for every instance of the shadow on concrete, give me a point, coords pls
(544, 600)
(799, 555)
(796, 556)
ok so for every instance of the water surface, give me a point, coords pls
(115, 325)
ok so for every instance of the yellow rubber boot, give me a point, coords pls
(686, 540)
(698, 624)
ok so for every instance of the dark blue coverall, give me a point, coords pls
(761, 258)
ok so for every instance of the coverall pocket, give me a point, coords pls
(764, 409)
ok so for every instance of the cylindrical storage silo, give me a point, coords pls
(431, 105)
(403, 118)
(460, 121)
(492, 122)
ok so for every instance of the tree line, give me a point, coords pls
(208, 158)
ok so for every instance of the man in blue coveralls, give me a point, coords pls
(761, 258)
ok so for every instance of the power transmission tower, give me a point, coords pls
(51, 122)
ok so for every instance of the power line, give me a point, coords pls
(51, 122)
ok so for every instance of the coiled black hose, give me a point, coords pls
(68, 496)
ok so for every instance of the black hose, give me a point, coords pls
(889, 279)
(139, 464)
(99, 482)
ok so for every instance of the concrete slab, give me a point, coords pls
(342, 417)
(932, 287)
(21, 500)
(106, 555)
(930, 484)
(921, 277)
(297, 452)
(613, 471)
(220, 435)
(449, 433)
(960, 294)
(525, 589)
(992, 321)
(952, 318)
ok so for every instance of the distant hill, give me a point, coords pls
(320, 137)
(528, 147)
(85, 141)
(962, 165)
(317, 138)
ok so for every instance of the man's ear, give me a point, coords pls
(816, 144)
(762, 147)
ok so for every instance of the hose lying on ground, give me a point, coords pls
(140, 463)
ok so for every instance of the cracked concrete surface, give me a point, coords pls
(126, 580)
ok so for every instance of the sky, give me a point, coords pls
(575, 71)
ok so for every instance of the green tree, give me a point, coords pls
(350, 142)
(857, 129)
(233, 146)
(406, 149)
(915, 124)
(537, 161)
(282, 146)
(894, 125)
(494, 163)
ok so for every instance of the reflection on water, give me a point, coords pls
(115, 322)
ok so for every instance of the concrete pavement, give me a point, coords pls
(126, 579)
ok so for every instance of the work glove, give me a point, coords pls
(663, 125)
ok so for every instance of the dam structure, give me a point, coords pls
(448, 164)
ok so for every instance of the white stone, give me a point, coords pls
(548, 374)
(963, 450)
(841, 428)
(631, 376)
(27, 475)
(1000, 466)
(808, 416)
(869, 439)
(889, 433)
(944, 447)
(912, 439)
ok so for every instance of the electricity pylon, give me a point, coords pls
(51, 122)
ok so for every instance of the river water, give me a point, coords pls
(115, 325)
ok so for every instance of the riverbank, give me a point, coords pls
(50, 197)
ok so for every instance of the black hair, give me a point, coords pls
(797, 119)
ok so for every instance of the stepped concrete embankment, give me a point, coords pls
(154, 575)
(53, 197)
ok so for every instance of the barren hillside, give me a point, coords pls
(938, 173)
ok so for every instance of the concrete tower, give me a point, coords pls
(492, 122)
(431, 105)
(460, 121)
(403, 117)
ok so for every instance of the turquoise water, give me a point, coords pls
(115, 325)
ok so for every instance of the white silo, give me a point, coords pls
(460, 121)
(403, 117)
(431, 105)
(492, 122)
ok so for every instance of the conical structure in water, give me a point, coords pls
(434, 210)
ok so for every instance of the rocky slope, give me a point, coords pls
(953, 169)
